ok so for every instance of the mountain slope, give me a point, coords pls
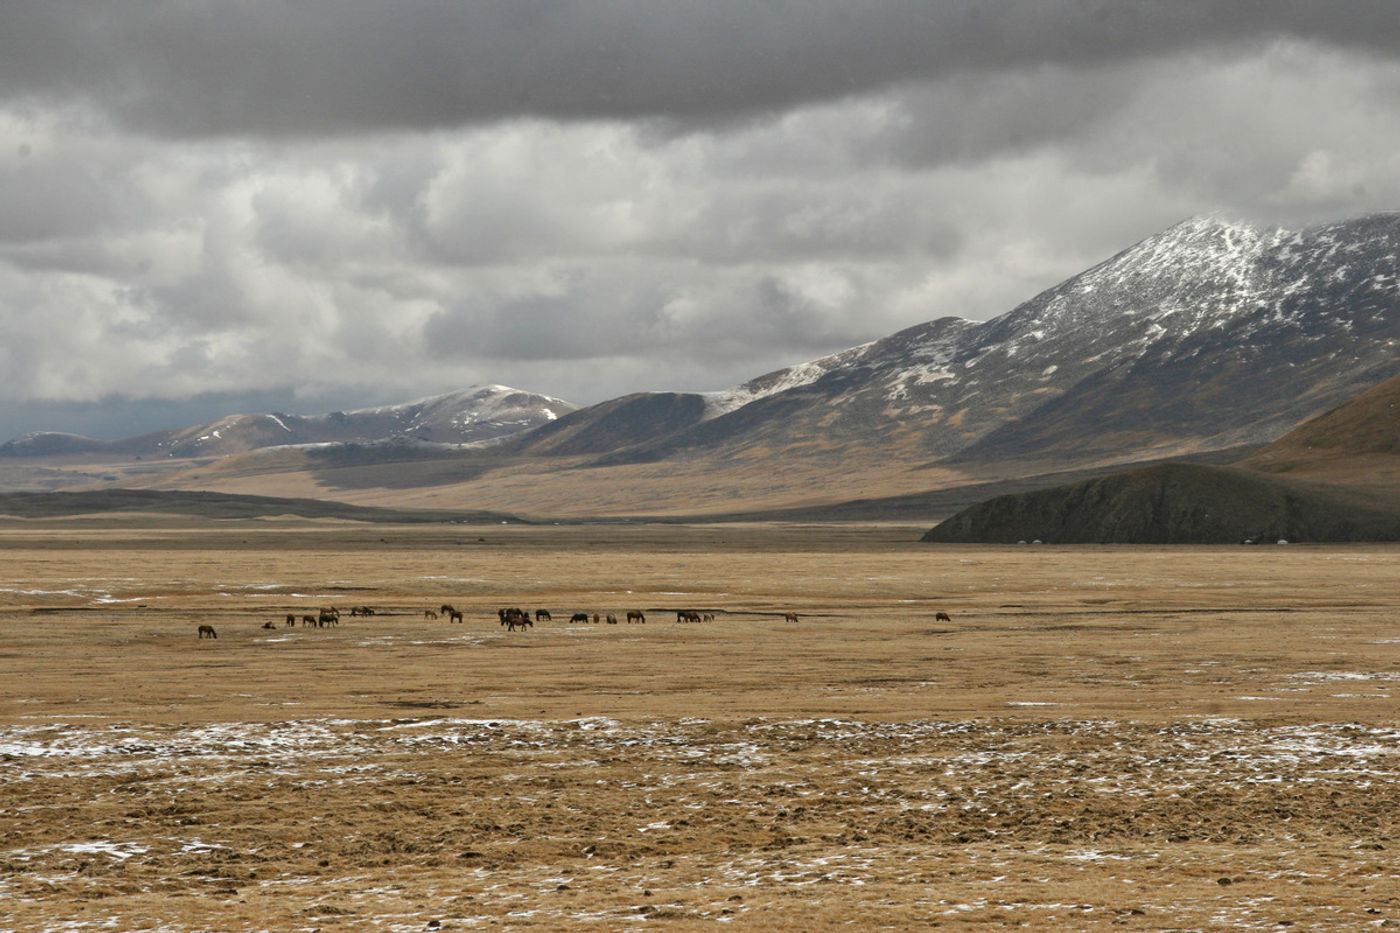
(1368, 424)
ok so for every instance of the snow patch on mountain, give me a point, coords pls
(782, 380)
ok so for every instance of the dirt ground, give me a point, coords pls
(1096, 738)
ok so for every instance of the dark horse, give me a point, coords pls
(207, 631)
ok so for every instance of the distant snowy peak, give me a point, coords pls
(477, 413)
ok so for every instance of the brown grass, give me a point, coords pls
(1102, 738)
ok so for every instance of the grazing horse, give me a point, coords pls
(542, 615)
(514, 619)
(454, 616)
(687, 615)
(942, 617)
(328, 616)
(361, 611)
(635, 615)
(308, 620)
(789, 617)
(579, 617)
(429, 614)
(707, 617)
(207, 631)
(291, 620)
(612, 619)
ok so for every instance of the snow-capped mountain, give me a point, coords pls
(1206, 336)
(474, 414)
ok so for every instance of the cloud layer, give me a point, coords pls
(334, 203)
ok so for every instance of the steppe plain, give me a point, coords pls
(1135, 738)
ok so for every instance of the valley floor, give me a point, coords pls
(1126, 738)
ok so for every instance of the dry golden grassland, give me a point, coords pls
(1126, 738)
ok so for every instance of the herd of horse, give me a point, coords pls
(510, 618)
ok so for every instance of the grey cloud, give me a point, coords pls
(202, 197)
(333, 66)
(667, 312)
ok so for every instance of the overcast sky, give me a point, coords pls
(334, 203)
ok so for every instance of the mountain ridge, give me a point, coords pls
(465, 416)
(1206, 336)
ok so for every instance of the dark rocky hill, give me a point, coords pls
(1178, 504)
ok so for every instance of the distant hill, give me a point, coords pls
(475, 414)
(214, 505)
(1177, 504)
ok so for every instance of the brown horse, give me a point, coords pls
(612, 619)
(308, 620)
(291, 620)
(446, 609)
(207, 631)
(942, 617)
(635, 615)
(687, 615)
(542, 615)
(789, 617)
(429, 614)
(579, 617)
(271, 625)
(454, 616)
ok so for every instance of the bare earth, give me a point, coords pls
(1100, 738)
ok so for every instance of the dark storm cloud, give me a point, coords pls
(338, 66)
